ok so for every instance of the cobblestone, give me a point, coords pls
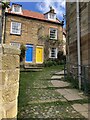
(48, 103)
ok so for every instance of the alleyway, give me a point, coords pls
(50, 96)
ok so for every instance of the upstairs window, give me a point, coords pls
(17, 8)
(15, 28)
(53, 53)
(53, 33)
(52, 16)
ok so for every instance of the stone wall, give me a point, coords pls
(9, 81)
(72, 32)
(31, 31)
(71, 18)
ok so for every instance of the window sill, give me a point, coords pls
(53, 57)
(53, 39)
(15, 34)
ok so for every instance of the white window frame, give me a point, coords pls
(18, 27)
(50, 53)
(51, 16)
(55, 33)
(19, 8)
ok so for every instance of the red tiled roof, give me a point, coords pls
(33, 14)
(36, 15)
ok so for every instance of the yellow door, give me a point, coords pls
(39, 55)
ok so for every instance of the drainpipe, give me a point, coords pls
(3, 28)
(78, 44)
(0, 22)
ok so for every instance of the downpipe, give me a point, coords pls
(78, 44)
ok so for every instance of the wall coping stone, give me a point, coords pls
(8, 49)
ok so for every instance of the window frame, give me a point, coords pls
(20, 9)
(11, 30)
(56, 36)
(50, 53)
(50, 16)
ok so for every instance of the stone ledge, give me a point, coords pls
(10, 61)
(8, 49)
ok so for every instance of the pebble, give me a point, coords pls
(36, 113)
(57, 111)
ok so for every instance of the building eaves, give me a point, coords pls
(34, 15)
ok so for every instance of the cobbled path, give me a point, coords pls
(46, 102)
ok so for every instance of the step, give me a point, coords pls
(60, 73)
(58, 83)
(55, 77)
(32, 67)
(30, 70)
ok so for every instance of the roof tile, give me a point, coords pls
(36, 15)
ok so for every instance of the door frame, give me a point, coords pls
(42, 54)
(32, 53)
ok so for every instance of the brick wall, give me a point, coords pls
(9, 81)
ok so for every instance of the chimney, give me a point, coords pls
(52, 10)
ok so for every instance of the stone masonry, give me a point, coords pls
(31, 33)
(72, 32)
(9, 81)
(71, 18)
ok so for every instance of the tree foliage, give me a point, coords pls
(22, 55)
(5, 5)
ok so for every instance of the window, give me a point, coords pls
(53, 53)
(53, 33)
(52, 16)
(17, 9)
(15, 44)
(15, 28)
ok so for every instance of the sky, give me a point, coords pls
(44, 6)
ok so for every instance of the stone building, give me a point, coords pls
(84, 25)
(40, 33)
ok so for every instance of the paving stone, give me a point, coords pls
(60, 73)
(55, 77)
(58, 83)
(72, 91)
(81, 109)
(86, 105)
(71, 97)
(62, 91)
(85, 114)
(69, 94)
